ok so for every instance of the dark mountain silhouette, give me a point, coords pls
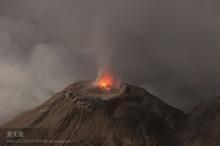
(202, 127)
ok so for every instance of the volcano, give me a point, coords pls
(84, 114)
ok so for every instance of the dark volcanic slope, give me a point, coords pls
(202, 128)
(87, 115)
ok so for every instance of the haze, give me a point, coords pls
(170, 47)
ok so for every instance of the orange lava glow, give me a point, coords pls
(106, 80)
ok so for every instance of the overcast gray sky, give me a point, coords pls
(170, 47)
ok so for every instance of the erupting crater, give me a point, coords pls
(105, 86)
(107, 80)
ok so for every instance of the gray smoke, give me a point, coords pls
(169, 47)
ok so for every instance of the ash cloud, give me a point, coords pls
(169, 47)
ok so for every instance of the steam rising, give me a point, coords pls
(169, 47)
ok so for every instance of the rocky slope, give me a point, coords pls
(202, 127)
(83, 114)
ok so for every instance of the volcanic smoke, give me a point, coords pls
(107, 80)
